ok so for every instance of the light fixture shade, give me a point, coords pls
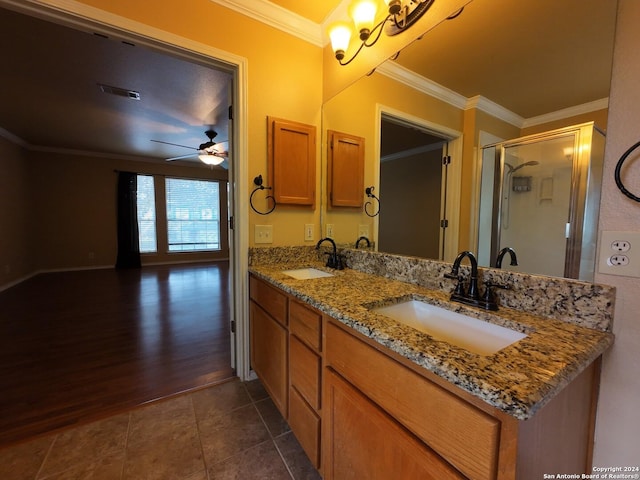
(394, 6)
(340, 35)
(210, 159)
(363, 14)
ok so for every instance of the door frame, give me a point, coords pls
(454, 176)
(81, 16)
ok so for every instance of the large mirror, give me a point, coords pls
(501, 70)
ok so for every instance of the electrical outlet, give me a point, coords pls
(621, 246)
(363, 231)
(618, 260)
(619, 253)
(263, 234)
(308, 232)
(330, 230)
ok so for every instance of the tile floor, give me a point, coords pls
(229, 431)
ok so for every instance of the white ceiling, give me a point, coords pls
(51, 96)
(530, 56)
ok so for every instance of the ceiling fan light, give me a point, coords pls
(210, 159)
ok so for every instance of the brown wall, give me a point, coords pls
(15, 262)
(411, 221)
(63, 211)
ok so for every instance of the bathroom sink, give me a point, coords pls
(306, 273)
(474, 335)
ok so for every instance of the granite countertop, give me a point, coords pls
(518, 379)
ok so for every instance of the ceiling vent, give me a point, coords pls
(120, 92)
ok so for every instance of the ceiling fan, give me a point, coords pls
(208, 152)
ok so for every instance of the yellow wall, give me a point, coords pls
(277, 86)
(353, 111)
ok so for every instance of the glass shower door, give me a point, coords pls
(535, 203)
(543, 198)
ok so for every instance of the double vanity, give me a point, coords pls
(380, 375)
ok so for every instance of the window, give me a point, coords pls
(193, 215)
(146, 201)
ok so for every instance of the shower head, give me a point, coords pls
(526, 164)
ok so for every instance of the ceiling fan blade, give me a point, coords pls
(174, 144)
(191, 155)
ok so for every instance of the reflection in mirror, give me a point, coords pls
(555, 62)
(411, 173)
(543, 192)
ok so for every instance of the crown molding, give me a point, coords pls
(581, 109)
(277, 17)
(407, 77)
(16, 140)
(498, 111)
(424, 85)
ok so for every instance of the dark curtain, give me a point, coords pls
(128, 246)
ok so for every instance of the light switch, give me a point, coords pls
(263, 234)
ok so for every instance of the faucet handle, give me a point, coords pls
(489, 299)
(459, 288)
(331, 260)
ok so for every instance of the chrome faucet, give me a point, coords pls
(365, 239)
(334, 260)
(502, 253)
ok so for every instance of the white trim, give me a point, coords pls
(428, 87)
(81, 16)
(601, 104)
(7, 135)
(484, 104)
(411, 152)
(277, 17)
(422, 84)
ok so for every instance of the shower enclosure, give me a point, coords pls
(540, 195)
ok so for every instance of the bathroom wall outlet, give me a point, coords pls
(618, 260)
(308, 232)
(330, 230)
(363, 231)
(619, 253)
(263, 234)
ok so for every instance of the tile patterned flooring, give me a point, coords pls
(228, 431)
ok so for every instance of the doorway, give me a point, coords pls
(168, 44)
(418, 207)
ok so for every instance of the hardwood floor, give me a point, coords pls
(77, 346)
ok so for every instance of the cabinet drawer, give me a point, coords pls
(306, 324)
(304, 371)
(465, 436)
(272, 300)
(305, 424)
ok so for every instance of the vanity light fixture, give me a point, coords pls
(401, 15)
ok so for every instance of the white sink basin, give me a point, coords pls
(474, 335)
(306, 273)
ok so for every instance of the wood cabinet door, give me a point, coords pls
(291, 160)
(269, 355)
(361, 441)
(345, 170)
